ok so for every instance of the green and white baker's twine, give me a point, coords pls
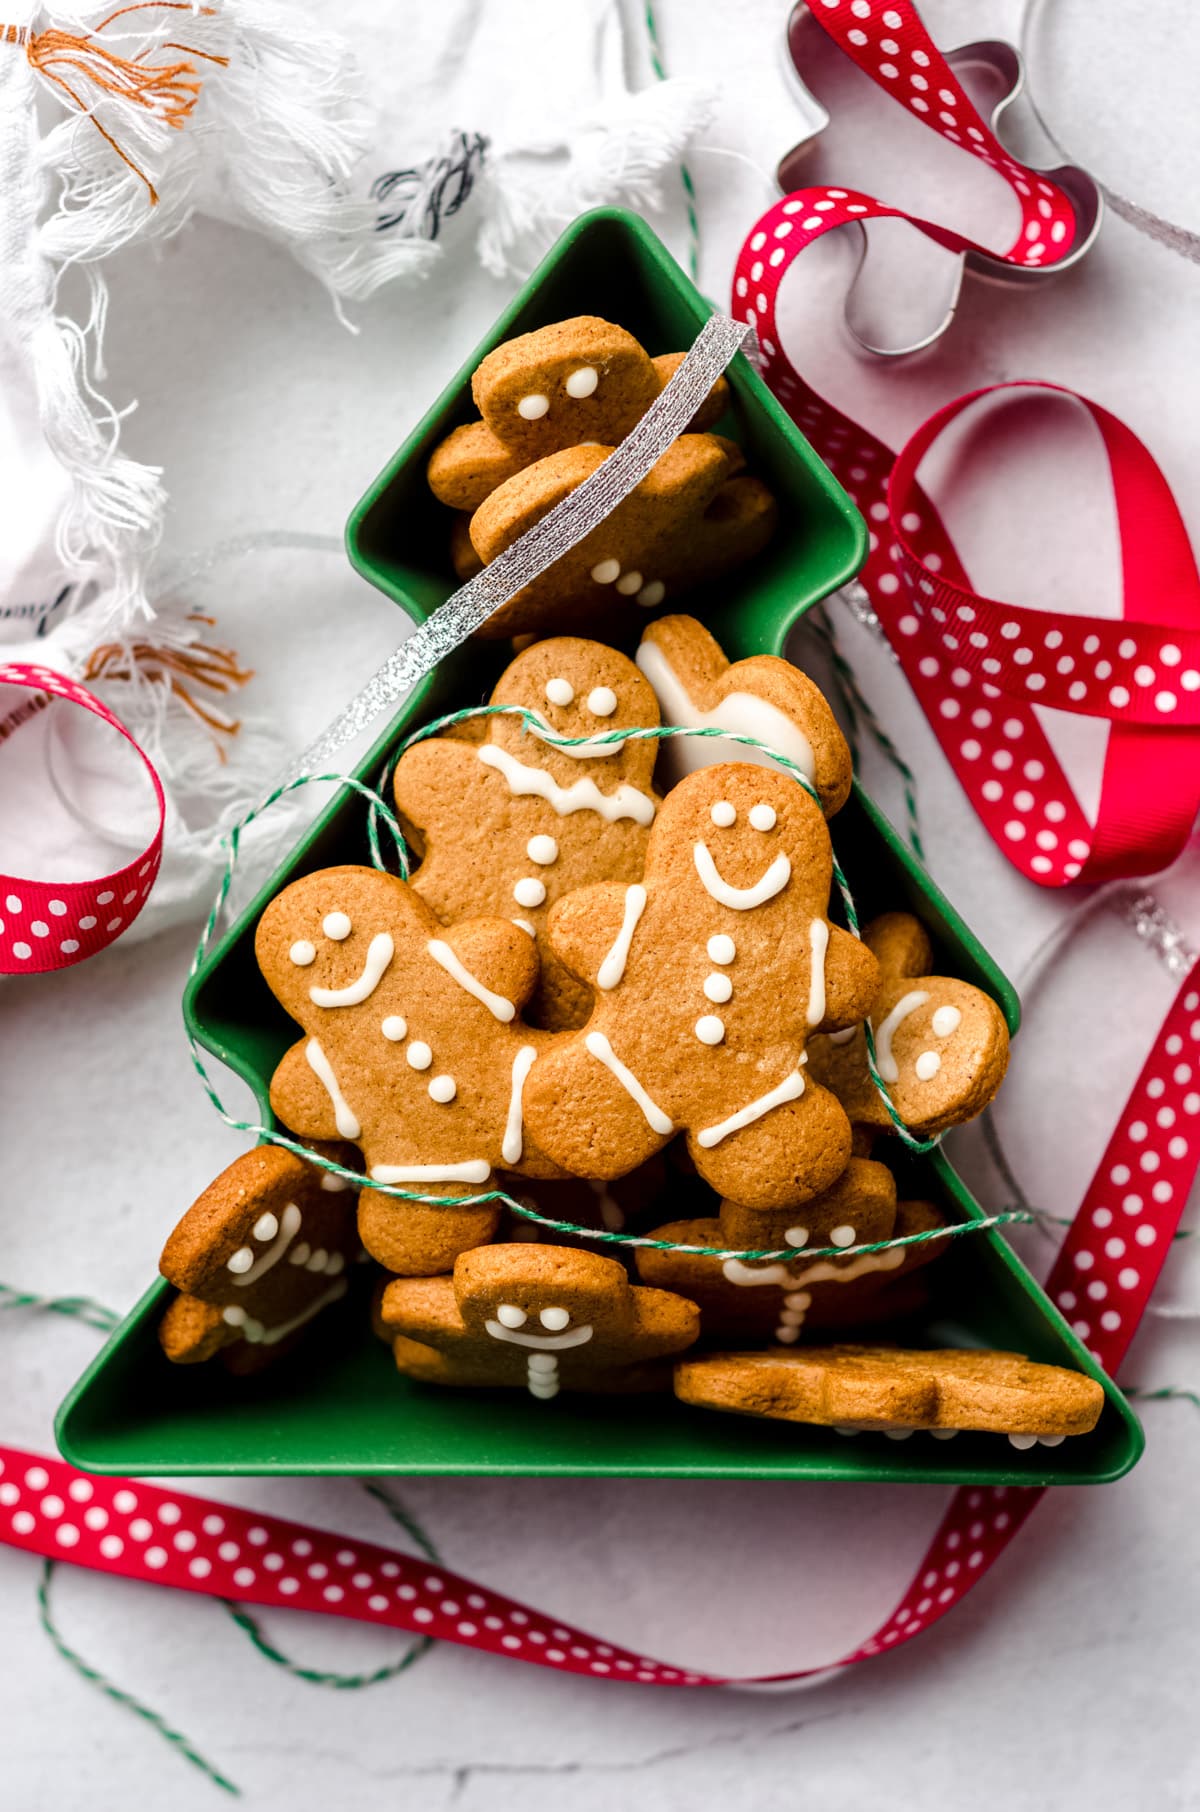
(536, 725)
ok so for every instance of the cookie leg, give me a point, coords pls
(589, 1114)
(782, 1159)
(415, 1239)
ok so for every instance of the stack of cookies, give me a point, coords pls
(612, 982)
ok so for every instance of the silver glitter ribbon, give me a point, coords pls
(1157, 930)
(538, 548)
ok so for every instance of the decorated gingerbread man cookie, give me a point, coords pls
(941, 1045)
(763, 696)
(510, 824)
(578, 382)
(869, 1387)
(694, 517)
(540, 1318)
(781, 1301)
(413, 1050)
(710, 977)
(257, 1256)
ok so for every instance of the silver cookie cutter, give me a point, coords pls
(1004, 63)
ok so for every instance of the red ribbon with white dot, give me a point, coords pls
(52, 924)
(980, 668)
(1102, 1280)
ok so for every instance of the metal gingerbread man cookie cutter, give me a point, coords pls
(808, 40)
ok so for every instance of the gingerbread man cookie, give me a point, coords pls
(257, 1256)
(763, 696)
(694, 517)
(578, 382)
(542, 1318)
(710, 976)
(781, 1301)
(868, 1387)
(412, 1050)
(510, 824)
(941, 1045)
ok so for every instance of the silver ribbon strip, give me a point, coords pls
(566, 525)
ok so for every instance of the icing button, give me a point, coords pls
(542, 850)
(443, 1089)
(710, 1029)
(605, 571)
(529, 891)
(629, 583)
(394, 1028)
(419, 1055)
(652, 594)
(717, 988)
(721, 948)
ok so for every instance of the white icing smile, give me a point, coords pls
(742, 899)
(546, 1343)
(379, 955)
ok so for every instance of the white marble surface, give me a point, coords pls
(1067, 1677)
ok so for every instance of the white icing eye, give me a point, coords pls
(723, 814)
(443, 1088)
(717, 988)
(419, 1055)
(606, 571)
(602, 702)
(529, 891)
(842, 1236)
(510, 1316)
(927, 1066)
(336, 925)
(945, 1021)
(629, 583)
(710, 1029)
(266, 1227)
(721, 948)
(582, 382)
(241, 1261)
(652, 594)
(303, 953)
(394, 1028)
(542, 850)
(762, 817)
(532, 408)
(560, 692)
(797, 1236)
(555, 1319)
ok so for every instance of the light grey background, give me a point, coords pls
(1067, 1679)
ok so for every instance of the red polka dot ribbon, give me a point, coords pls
(51, 924)
(1102, 1280)
(979, 667)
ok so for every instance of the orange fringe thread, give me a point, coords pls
(201, 664)
(167, 91)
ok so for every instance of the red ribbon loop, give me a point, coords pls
(51, 924)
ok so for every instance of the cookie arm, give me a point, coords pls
(663, 1323)
(851, 980)
(497, 955)
(429, 782)
(422, 1308)
(584, 926)
(299, 1098)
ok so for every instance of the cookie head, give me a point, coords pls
(261, 1252)
(743, 835)
(548, 1299)
(579, 380)
(578, 688)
